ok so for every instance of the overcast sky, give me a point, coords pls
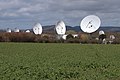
(25, 13)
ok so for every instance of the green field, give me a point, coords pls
(36, 61)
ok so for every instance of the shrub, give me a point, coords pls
(51, 38)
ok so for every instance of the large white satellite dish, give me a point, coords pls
(8, 30)
(60, 28)
(90, 24)
(16, 30)
(101, 32)
(37, 29)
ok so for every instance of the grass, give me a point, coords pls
(50, 61)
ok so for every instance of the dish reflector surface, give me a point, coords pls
(112, 37)
(37, 29)
(27, 31)
(9, 30)
(90, 24)
(60, 28)
(101, 32)
(17, 30)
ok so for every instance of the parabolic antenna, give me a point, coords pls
(60, 28)
(112, 37)
(8, 30)
(101, 32)
(37, 29)
(90, 24)
(27, 31)
(16, 30)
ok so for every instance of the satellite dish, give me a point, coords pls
(60, 28)
(27, 31)
(8, 30)
(16, 30)
(90, 24)
(37, 29)
(112, 37)
(101, 32)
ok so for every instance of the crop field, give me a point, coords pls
(50, 61)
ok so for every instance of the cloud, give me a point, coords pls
(50, 11)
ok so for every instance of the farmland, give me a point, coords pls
(50, 61)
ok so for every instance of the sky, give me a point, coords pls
(24, 14)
